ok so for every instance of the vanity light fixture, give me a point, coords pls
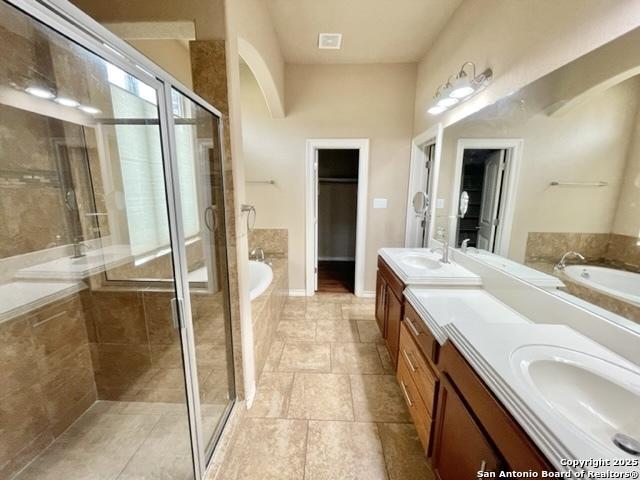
(435, 110)
(40, 92)
(67, 102)
(459, 87)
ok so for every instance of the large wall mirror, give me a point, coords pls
(549, 178)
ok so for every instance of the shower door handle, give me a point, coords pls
(177, 318)
(210, 218)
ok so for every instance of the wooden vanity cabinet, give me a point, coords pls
(461, 448)
(472, 426)
(389, 307)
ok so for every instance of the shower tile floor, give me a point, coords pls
(328, 405)
(123, 441)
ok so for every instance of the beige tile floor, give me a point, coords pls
(327, 405)
(123, 441)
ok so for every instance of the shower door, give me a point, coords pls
(195, 136)
(112, 184)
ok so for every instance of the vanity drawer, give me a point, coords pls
(419, 369)
(424, 339)
(419, 412)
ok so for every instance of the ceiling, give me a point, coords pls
(373, 31)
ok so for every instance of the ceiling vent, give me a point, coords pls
(330, 41)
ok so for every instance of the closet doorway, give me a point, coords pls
(337, 213)
(336, 207)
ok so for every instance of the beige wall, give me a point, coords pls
(520, 40)
(587, 143)
(171, 55)
(258, 45)
(348, 101)
(208, 15)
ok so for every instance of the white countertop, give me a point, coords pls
(528, 274)
(444, 274)
(95, 261)
(492, 349)
(440, 306)
(489, 334)
(17, 298)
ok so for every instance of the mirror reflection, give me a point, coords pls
(549, 179)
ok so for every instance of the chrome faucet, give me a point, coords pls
(563, 261)
(464, 245)
(445, 251)
(78, 246)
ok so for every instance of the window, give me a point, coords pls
(140, 155)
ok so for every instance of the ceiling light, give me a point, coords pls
(330, 41)
(436, 110)
(67, 102)
(447, 102)
(90, 110)
(40, 92)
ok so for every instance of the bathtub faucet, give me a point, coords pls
(563, 261)
(257, 254)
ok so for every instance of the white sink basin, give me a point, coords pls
(421, 261)
(596, 397)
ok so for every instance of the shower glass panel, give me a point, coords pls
(198, 153)
(93, 380)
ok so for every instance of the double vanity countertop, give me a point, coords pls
(569, 393)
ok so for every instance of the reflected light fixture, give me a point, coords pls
(90, 110)
(40, 92)
(459, 87)
(67, 102)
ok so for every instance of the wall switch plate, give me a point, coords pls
(439, 202)
(379, 203)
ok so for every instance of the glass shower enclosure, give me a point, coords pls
(115, 338)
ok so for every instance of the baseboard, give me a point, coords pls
(297, 292)
(336, 259)
(368, 294)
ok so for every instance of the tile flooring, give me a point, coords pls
(123, 441)
(327, 405)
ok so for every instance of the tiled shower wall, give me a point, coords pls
(136, 351)
(47, 379)
(102, 345)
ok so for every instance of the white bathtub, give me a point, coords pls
(260, 277)
(620, 284)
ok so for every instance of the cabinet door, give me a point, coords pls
(461, 449)
(394, 317)
(381, 293)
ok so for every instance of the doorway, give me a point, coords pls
(423, 180)
(336, 212)
(484, 193)
(481, 192)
